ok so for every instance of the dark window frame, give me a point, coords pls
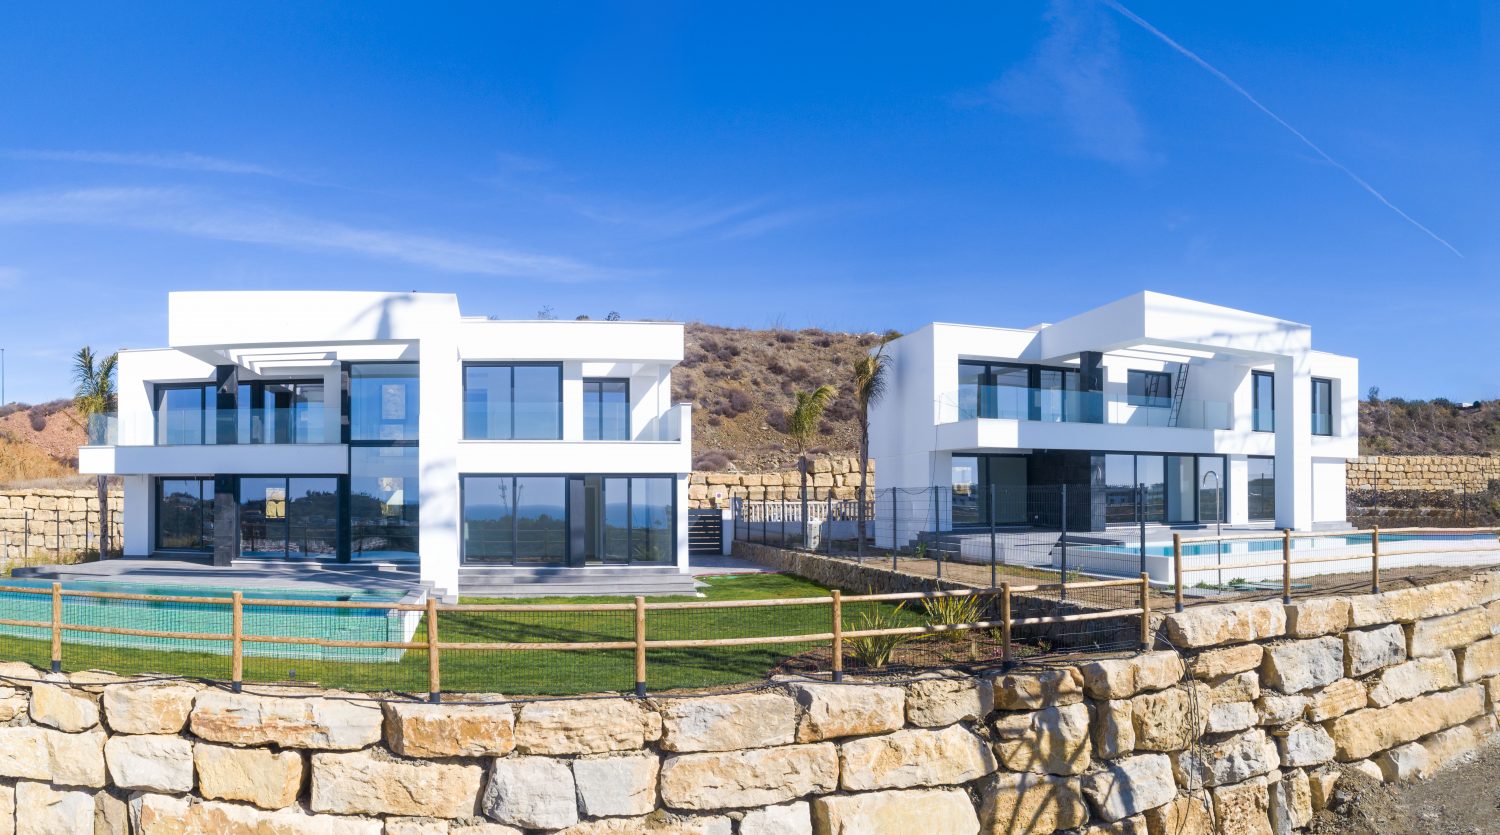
(1327, 395)
(1252, 499)
(988, 377)
(341, 505)
(156, 539)
(206, 390)
(464, 403)
(1145, 397)
(629, 429)
(568, 478)
(1255, 406)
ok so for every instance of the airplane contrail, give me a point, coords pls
(1192, 56)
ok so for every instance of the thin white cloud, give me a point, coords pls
(188, 212)
(167, 161)
(9, 277)
(1075, 78)
(1233, 85)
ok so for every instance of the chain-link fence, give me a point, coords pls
(55, 536)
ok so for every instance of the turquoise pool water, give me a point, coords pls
(1250, 546)
(210, 618)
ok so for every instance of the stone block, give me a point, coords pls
(1304, 745)
(1364, 733)
(1302, 665)
(269, 779)
(726, 723)
(32, 752)
(148, 708)
(1130, 786)
(1336, 699)
(757, 777)
(1211, 664)
(1033, 691)
(1185, 815)
(1024, 803)
(581, 726)
(1317, 617)
(936, 700)
(1054, 740)
(150, 762)
(531, 793)
(1167, 720)
(413, 729)
(1225, 761)
(1436, 635)
(1243, 809)
(656, 824)
(44, 810)
(1321, 784)
(1450, 745)
(1411, 604)
(1404, 762)
(1113, 728)
(1240, 687)
(616, 785)
(318, 723)
(362, 783)
(1478, 660)
(66, 710)
(1236, 623)
(1119, 678)
(787, 819)
(1368, 650)
(1413, 678)
(159, 814)
(1125, 826)
(900, 812)
(1231, 717)
(914, 757)
(1290, 803)
(834, 710)
(1278, 708)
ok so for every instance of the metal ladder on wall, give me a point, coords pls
(1177, 392)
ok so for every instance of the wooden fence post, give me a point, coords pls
(1145, 612)
(640, 647)
(1375, 560)
(434, 662)
(57, 617)
(1286, 565)
(237, 641)
(1177, 567)
(838, 635)
(1005, 659)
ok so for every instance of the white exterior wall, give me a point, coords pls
(915, 429)
(310, 334)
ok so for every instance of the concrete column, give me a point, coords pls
(226, 521)
(139, 516)
(1294, 493)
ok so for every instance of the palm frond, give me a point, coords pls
(802, 422)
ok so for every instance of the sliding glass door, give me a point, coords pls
(185, 514)
(292, 517)
(569, 520)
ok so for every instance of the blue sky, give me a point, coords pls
(861, 167)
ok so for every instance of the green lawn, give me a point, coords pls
(526, 672)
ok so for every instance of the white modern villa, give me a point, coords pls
(1211, 414)
(387, 430)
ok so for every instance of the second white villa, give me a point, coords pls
(1152, 409)
(345, 430)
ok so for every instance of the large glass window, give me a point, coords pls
(515, 520)
(606, 410)
(384, 502)
(555, 520)
(383, 401)
(292, 517)
(1263, 401)
(185, 514)
(968, 499)
(1149, 388)
(1182, 488)
(186, 414)
(1212, 503)
(512, 402)
(1322, 407)
(983, 484)
(1261, 488)
(1018, 392)
(638, 514)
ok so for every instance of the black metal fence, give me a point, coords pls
(36, 536)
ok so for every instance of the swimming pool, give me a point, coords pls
(343, 624)
(1313, 543)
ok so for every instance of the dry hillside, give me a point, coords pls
(39, 442)
(741, 383)
(1428, 427)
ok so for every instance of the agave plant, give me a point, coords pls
(875, 651)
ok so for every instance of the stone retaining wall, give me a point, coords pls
(836, 476)
(1422, 472)
(1241, 731)
(62, 523)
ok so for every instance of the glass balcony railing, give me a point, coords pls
(1059, 406)
(171, 427)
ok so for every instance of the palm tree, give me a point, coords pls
(802, 427)
(871, 378)
(95, 396)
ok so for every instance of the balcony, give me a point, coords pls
(1060, 406)
(173, 427)
(273, 440)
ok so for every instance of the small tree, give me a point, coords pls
(802, 428)
(94, 395)
(871, 378)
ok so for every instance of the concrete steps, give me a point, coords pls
(504, 581)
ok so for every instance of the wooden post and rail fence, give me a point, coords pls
(640, 644)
